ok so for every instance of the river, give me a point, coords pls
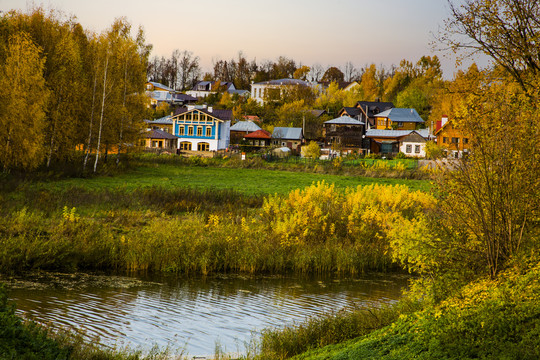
(193, 314)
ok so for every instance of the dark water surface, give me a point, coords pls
(191, 313)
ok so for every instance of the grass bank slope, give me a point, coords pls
(488, 319)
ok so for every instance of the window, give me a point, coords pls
(190, 131)
(185, 145)
(445, 140)
(455, 140)
(208, 131)
(408, 149)
(199, 130)
(417, 149)
(400, 125)
(203, 146)
(465, 140)
(181, 130)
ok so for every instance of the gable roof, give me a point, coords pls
(184, 97)
(317, 113)
(401, 115)
(288, 133)
(160, 86)
(396, 133)
(351, 111)
(259, 134)
(413, 137)
(159, 134)
(374, 107)
(166, 120)
(220, 114)
(344, 120)
(245, 126)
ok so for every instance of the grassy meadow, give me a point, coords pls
(247, 181)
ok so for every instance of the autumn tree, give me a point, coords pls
(302, 73)
(23, 100)
(493, 196)
(333, 74)
(507, 31)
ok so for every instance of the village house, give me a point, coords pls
(289, 137)
(451, 138)
(274, 89)
(365, 111)
(159, 93)
(156, 139)
(398, 119)
(164, 124)
(242, 128)
(389, 142)
(344, 132)
(258, 139)
(201, 128)
(203, 89)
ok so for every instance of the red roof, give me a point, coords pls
(259, 134)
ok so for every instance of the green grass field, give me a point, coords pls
(245, 181)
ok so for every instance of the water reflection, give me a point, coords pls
(196, 313)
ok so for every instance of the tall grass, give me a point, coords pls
(333, 328)
(316, 230)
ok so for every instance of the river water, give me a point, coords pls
(193, 314)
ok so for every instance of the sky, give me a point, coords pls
(325, 32)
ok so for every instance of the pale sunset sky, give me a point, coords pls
(329, 33)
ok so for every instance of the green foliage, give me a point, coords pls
(20, 340)
(328, 329)
(23, 97)
(434, 151)
(311, 150)
(488, 319)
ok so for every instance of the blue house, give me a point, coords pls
(201, 128)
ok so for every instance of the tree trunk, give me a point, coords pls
(89, 143)
(102, 110)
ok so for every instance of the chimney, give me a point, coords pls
(190, 107)
(210, 109)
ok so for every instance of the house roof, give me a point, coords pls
(396, 133)
(245, 126)
(166, 120)
(414, 137)
(208, 85)
(351, 111)
(374, 107)
(184, 97)
(288, 133)
(240, 92)
(317, 113)
(161, 86)
(283, 82)
(221, 114)
(259, 134)
(159, 134)
(344, 120)
(401, 115)
(387, 133)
